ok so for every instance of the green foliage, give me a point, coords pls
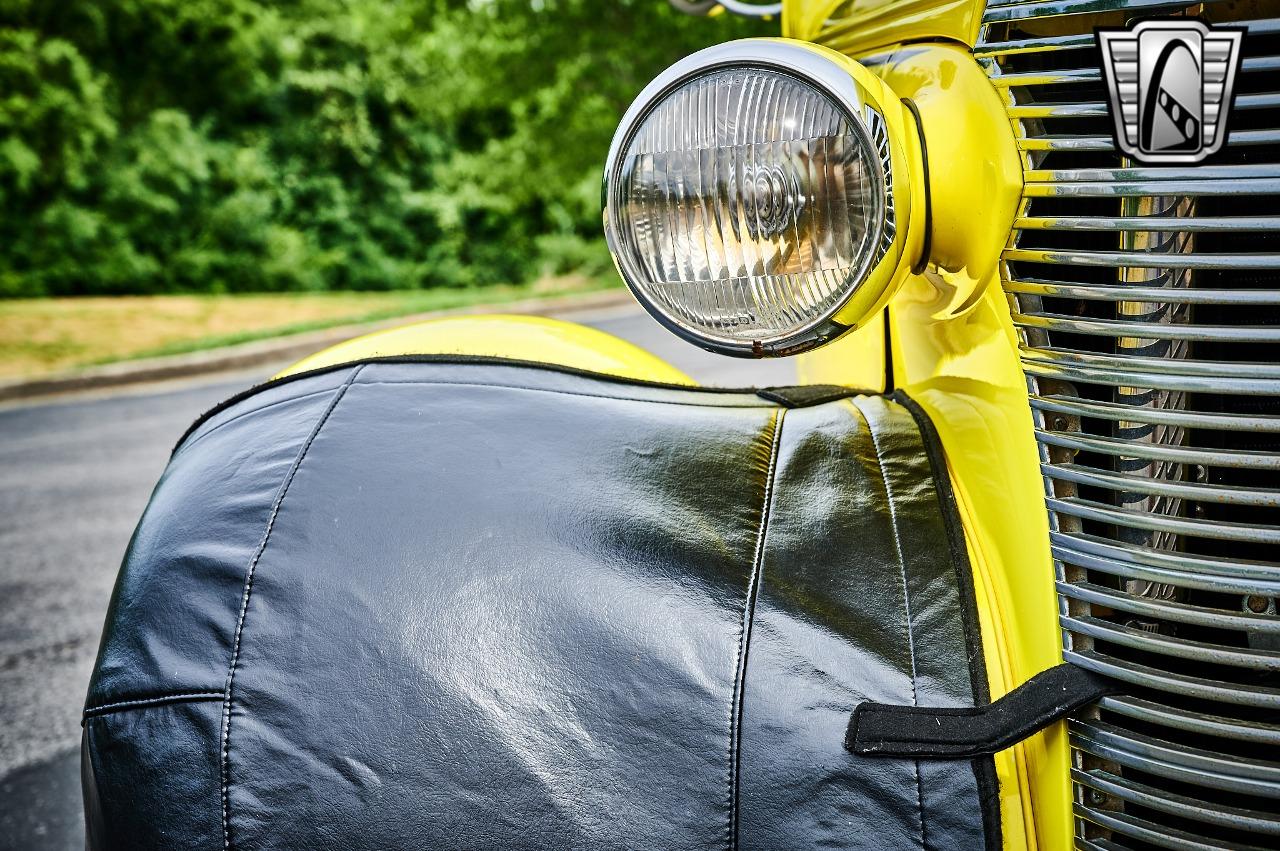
(264, 145)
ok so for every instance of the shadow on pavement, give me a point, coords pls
(42, 807)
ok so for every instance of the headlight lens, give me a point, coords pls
(744, 205)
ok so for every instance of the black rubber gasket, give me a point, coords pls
(927, 245)
(984, 767)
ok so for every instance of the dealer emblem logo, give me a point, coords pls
(1170, 82)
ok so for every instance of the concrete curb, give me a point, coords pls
(292, 347)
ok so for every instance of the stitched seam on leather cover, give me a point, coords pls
(194, 439)
(151, 700)
(744, 636)
(906, 599)
(244, 604)
(704, 404)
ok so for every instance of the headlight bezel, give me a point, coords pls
(861, 105)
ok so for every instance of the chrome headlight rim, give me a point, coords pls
(808, 68)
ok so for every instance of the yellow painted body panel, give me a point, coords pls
(955, 350)
(860, 26)
(976, 185)
(855, 360)
(965, 372)
(528, 338)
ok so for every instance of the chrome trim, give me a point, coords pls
(749, 10)
(1159, 522)
(1098, 108)
(1183, 455)
(1067, 143)
(1082, 543)
(1237, 774)
(798, 62)
(1147, 303)
(1227, 386)
(1179, 612)
(1152, 486)
(1254, 186)
(1173, 684)
(1211, 333)
(1126, 365)
(1163, 175)
(1071, 76)
(1192, 722)
(1176, 805)
(1014, 9)
(1114, 411)
(1143, 259)
(1258, 101)
(1127, 636)
(1204, 224)
(1049, 78)
(1105, 143)
(880, 136)
(1036, 286)
(1044, 44)
(1187, 572)
(1147, 831)
(1035, 45)
(1057, 110)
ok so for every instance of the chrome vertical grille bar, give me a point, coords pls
(1148, 305)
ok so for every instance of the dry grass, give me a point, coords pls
(41, 336)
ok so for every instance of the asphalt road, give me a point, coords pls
(75, 475)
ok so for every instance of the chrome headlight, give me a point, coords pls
(750, 197)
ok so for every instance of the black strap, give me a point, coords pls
(878, 729)
(806, 395)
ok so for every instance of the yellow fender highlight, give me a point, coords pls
(975, 175)
(854, 360)
(858, 26)
(526, 338)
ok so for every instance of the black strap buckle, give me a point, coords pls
(878, 729)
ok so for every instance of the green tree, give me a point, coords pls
(245, 145)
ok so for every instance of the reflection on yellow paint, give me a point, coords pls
(527, 338)
(858, 26)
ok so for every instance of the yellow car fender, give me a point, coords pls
(523, 338)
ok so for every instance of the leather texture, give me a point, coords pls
(421, 604)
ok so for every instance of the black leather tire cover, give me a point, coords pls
(423, 604)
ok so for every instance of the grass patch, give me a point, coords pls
(42, 336)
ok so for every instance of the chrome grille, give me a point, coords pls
(1148, 305)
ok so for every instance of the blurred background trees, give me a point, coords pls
(269, 145)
